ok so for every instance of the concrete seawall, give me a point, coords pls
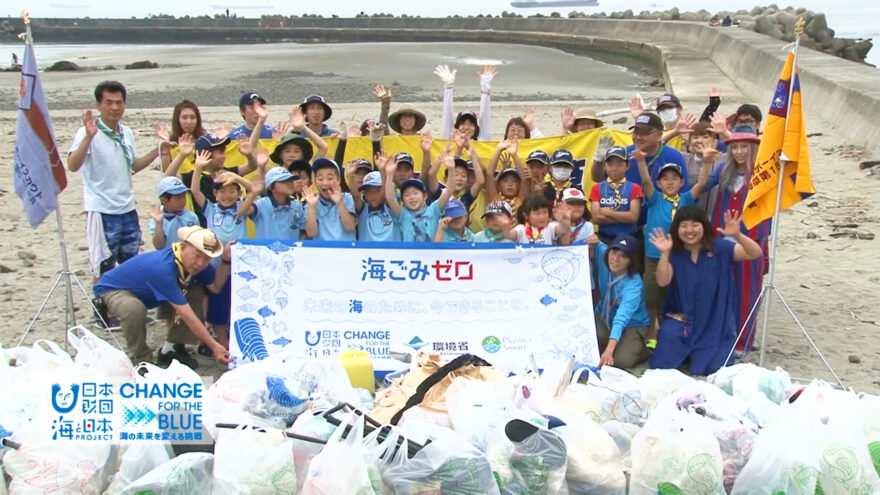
(843, 93)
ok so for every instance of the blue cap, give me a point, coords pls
(460, 162)
(209, 141)
(562, 155)
(372, 179)
(454, 209)
(404, 157)
(249, 98)
(324, 163)
(670, 166)
(618, 151)
(626, 243)
(170, 185)
(538, 156)
(278, 174)
(412, 183)
(363, 164)
(668, 100)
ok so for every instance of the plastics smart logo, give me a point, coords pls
(491, 344)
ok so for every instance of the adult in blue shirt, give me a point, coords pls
(153, 278)
(317, 111)
(251, 118)
(700, 321)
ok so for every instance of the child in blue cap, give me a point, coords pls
(616, 201)
(173, 214)
(621, 318)
(375, 220)
(453, 225)
(331, 213)
(418, 222)
(275, 216)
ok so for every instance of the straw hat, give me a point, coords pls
(394, 118)
(202, 239)
(588, 113)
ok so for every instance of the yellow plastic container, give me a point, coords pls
(359, 366)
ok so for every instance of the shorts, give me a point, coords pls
(123, 234)
(655, 296)
(219, 305)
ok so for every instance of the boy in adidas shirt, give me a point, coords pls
(616, 201)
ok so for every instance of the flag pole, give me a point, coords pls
(769, 283)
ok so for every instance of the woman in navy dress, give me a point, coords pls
(700, 320)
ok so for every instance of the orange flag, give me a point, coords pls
(783, 144)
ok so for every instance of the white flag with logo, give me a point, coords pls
(39, 175)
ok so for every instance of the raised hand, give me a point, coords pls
(261, 110)
(186, 144)
(661, 240)
(297, 119)
(223, 130)
(161, 131)
(427, 142)
(445, 221)
(449, 161)
(685, 124)
(446, 76)
(376, 131)
(719, 123)
(353, 130)
(380, 92)
(526, 174)
(226, 178)
(732, 219)
(529, 118)
(638, 154)
(714, 92)
(636, 106)
(459, 138)
(90, 123)
(486, 75)
(155, 213)
(244, 146)
(390, 165)
(503, 145)
(310, 197)
(379, 160)
(513, 147)
(203, 158)
(562, 212)
(710, 155)
(261, 156)
(568, 118)
(336, 193)
(605, 143)
(281, 130)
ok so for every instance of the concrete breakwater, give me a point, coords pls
(844, 93)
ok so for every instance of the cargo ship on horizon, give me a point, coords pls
(532, 4)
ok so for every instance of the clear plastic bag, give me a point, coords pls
(528, 458)
(594, 462)
(477, 408)
(185, 474)
(93, 353)
(138, 459)
(46, 466)
(746, 380)
(253, 461)
(342, 467)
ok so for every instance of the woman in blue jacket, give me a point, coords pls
(621, 316)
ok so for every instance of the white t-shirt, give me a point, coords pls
(105, 172)
(547, 237)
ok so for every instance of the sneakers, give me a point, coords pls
(179, 353)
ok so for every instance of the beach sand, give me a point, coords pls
(830, 282)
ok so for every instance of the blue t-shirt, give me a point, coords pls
(625, 298)
(660, 216)
(225, 223)
(152, 278)
(666, 155)
(419, 226)
(330, 226)
(242, 131)
(172, 222)
(278, 221)
(326, 131)
(450, 235)
(377, 225)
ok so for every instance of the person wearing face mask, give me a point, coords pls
(559, 178)
(669, 109)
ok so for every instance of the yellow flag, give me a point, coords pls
(784, 143)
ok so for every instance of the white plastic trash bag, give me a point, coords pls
(185, 474)
(595, 464)
(47, 466)
(342, 467)
(746, 380)
(138, 459)
(253, 461)
(93, 353)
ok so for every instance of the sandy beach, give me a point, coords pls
(830, 280)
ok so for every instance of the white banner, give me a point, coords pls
(501, 302)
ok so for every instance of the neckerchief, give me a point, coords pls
(117, 138)
(607, 304)
(170, 215)
(549, 180)
(459, 237)
(493, 237)
(513, 202)
(616, 186)
(577, 230)
(674, 199)
(533, 234)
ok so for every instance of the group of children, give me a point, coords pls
(537, 201)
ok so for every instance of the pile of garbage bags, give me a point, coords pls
(291, 424)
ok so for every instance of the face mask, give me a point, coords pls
(560, 173)
(668, 115)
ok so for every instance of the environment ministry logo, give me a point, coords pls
(491, 344)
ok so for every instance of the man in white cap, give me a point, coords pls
(150, 279)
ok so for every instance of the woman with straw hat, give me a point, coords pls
(407, 121)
